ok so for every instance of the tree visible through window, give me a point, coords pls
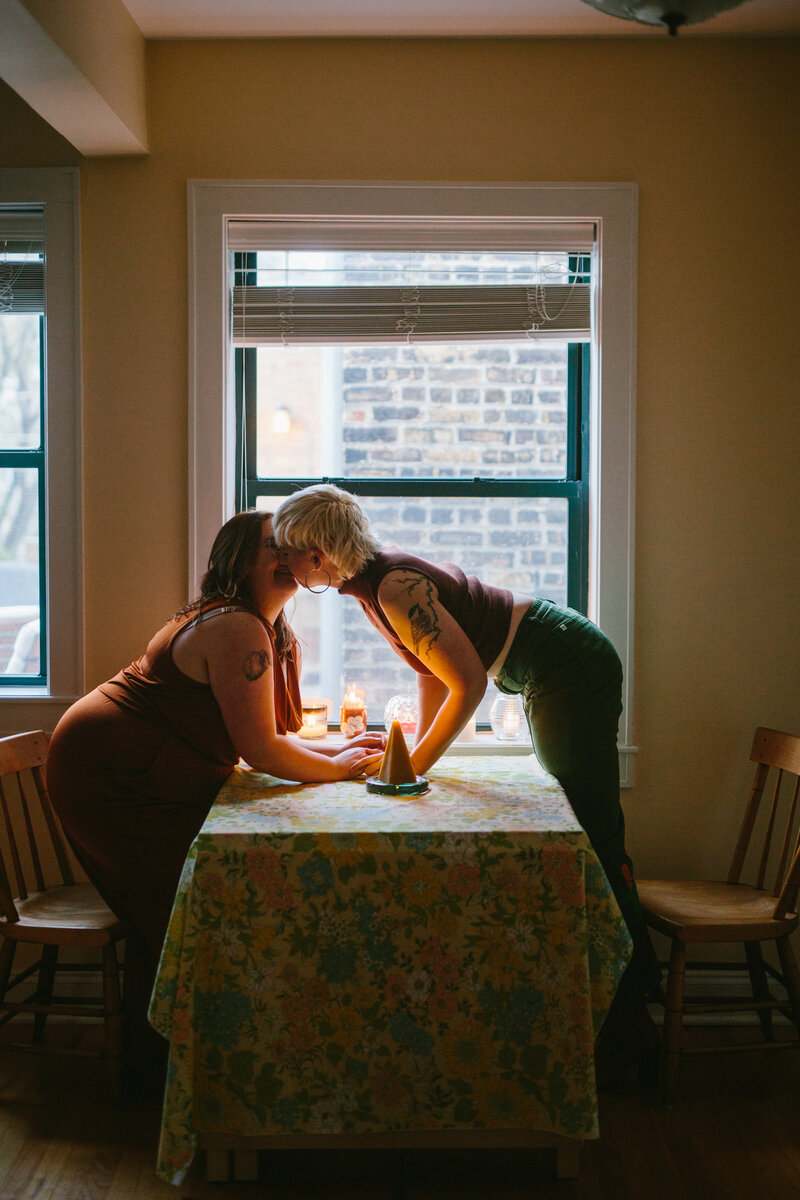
(471, 449)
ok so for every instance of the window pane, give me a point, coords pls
(367, 268)
(19, 571)
(517, 544)
(19, 381)
(490, 409)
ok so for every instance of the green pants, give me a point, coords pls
(570, 678)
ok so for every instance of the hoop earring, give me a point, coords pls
(317, 591)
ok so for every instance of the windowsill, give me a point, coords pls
(486, 744)
(483, 743)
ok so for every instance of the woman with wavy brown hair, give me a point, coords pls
(134, 766)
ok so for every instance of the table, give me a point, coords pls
(344, 968)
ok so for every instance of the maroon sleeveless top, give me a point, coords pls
(483, 612)
(154, 688)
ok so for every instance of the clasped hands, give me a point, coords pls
(363, 754)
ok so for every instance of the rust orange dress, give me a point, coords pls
(133, 769)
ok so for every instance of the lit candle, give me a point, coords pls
(510, 724)
(470, 731)
(315, 720)
(353, 716)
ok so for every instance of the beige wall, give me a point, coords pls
(707, 128)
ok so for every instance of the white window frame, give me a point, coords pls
(613, 207)
(57, 190)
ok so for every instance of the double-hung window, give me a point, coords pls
(509, 451)
(41, 645)
(447, 387)
(23, 567)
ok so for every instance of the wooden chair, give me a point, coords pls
(46, 907)
(698, 911)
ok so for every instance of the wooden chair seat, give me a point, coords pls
(42, 904)
(700, 910)
(52, 916)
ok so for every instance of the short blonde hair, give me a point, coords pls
(324, 517)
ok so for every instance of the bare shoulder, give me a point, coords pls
(404, 588)
(226, 638)
(222, 627)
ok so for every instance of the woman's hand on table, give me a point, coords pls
(356, 760)
(373, 741)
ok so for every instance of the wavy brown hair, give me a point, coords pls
(230, 562)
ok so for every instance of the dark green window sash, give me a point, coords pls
(35, 460)
(574, 487)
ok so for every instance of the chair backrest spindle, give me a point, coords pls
(767, 846)
(22, 758)
(779, 878)
(54, 829)
(780, 752)
(33, 849)
(11, 838)
(748, 821)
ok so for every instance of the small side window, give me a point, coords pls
(23, 567)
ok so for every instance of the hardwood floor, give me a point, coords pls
(733, 1134)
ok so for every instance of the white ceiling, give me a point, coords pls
(435, 18)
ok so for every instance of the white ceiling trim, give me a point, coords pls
(97, 119)
(434, 18)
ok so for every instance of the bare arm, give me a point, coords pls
(238, 654)
(431, 695)
(373, 741)
(412, 606)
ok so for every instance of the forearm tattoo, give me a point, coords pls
(422, 594)
(255, 664)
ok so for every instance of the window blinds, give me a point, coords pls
(409, 233)
(21, 260)
(298, 313)
(268, 315)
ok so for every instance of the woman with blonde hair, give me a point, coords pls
(454, 630)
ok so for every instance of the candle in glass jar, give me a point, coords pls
(511, 724)
(353, 717)
(470, 731)
(315, 720)
(403, 709)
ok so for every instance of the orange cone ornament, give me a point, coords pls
(396, 776)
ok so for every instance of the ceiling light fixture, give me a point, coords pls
(672, 14)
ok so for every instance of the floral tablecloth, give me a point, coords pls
(343, 962)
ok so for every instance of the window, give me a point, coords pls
(449, 391)
(231, 217)
(40, 595)
(23, 652)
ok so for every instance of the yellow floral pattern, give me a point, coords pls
(343, 962)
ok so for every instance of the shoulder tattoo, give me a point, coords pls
(422, 616)
(255, 664)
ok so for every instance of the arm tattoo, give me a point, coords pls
(255, 664)
(422, 611)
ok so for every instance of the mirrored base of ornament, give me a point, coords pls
(380, 788)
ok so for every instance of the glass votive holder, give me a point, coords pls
(315, 720)
(353, 713)
(405, 710)
(507, 718)
(470, 731)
